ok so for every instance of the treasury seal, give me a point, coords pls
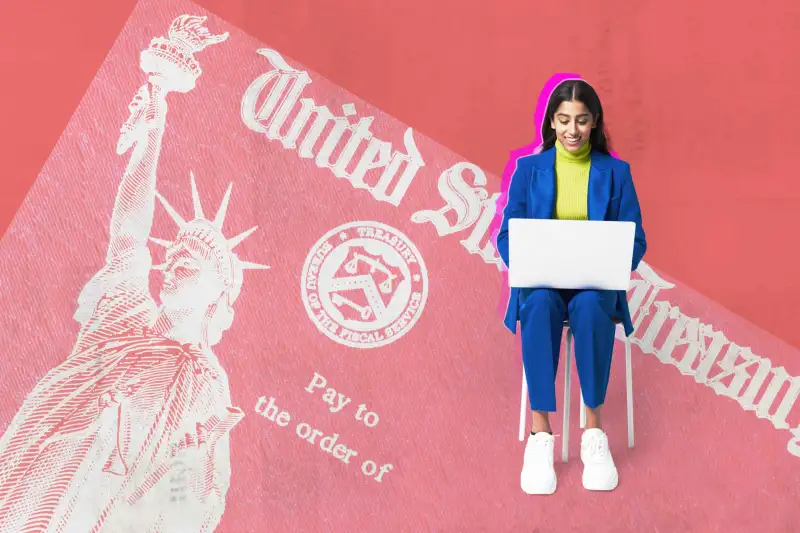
(364, 284)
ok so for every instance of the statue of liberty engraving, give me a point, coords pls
(130, 433)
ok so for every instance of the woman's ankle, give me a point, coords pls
(541, 423)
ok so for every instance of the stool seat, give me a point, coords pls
(615, 320)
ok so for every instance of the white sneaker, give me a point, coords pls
(538, 475)
(599, 471)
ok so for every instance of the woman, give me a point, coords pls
(573, 177)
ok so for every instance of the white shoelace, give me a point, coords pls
(541, 451)
(597, 449)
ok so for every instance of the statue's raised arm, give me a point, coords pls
(170, 66)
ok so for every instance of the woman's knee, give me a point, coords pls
(593, 302)
(548, 300)
(542, 296)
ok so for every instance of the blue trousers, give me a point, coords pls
(591, 317)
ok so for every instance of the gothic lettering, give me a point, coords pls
(318, 134)
(478, 241)
(462, 200)
(738, 371)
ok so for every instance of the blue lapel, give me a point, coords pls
(542, 198)
(599, 186)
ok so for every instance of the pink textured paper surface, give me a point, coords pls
(447, 392)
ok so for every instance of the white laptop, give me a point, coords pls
(570, 254)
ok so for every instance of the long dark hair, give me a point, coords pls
(576, 90)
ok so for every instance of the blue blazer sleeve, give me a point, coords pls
(516, 206)
(629, 211)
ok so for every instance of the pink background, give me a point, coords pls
(448, 391)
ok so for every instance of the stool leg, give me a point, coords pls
(583, 411)
(629, 392)
(567, 378)
(523, 406)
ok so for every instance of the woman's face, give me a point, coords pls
(573, 124)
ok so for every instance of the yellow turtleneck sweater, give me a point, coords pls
(572, 182)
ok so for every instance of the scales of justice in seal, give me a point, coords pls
(386, 286)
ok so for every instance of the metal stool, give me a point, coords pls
(567, 382)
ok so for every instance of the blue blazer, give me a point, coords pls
(532, 194)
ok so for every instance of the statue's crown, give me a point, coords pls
(209, 233)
